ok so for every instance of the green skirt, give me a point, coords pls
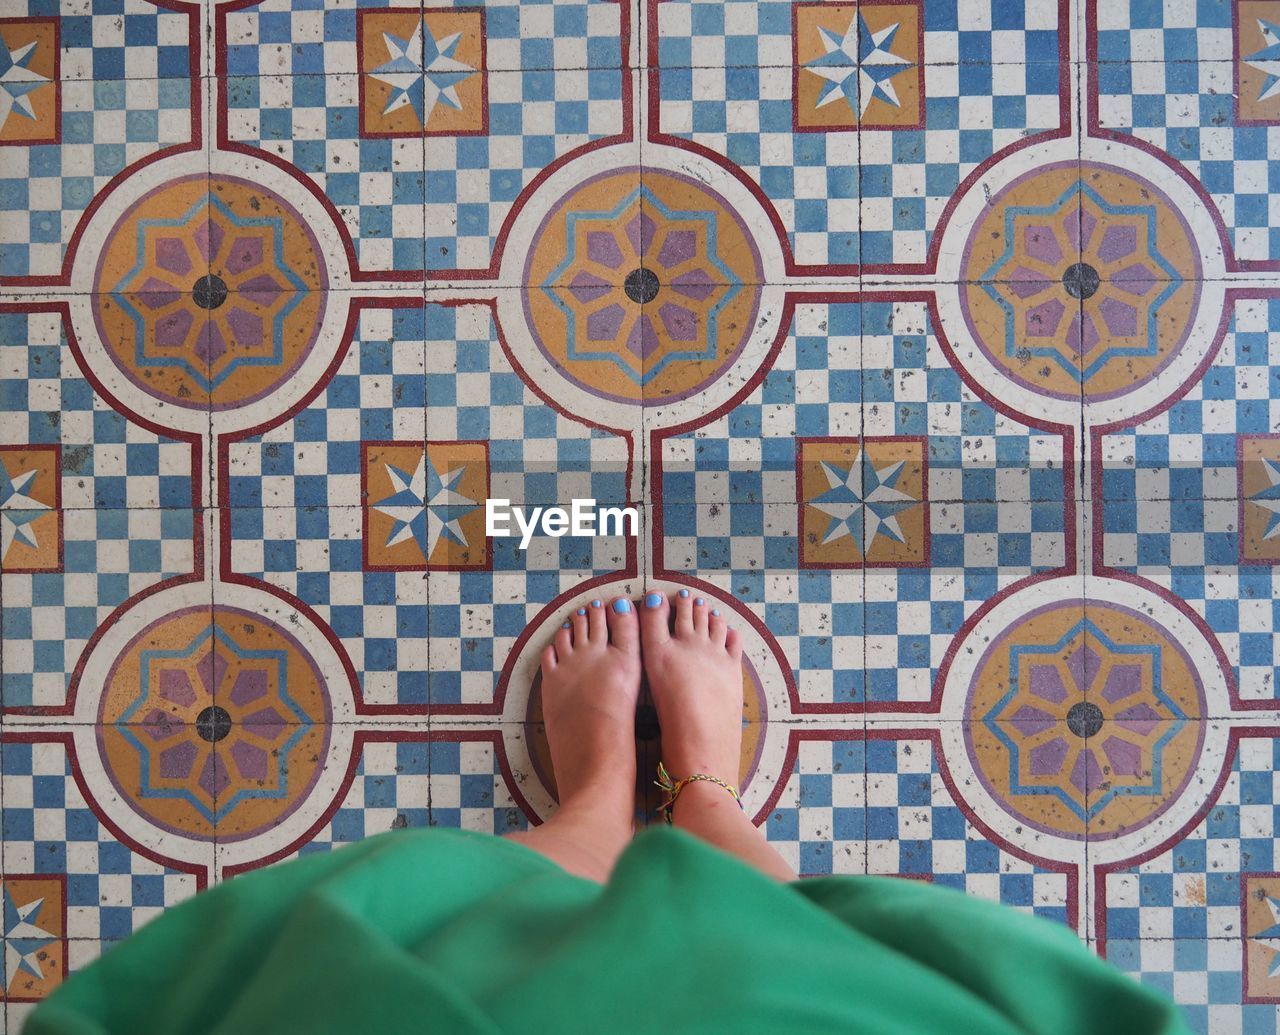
(444, 930)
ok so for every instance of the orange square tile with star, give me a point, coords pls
(34, 930)
(31, 98)
(424, 505)
(1261, 928)
(422, 73)
(863, 502)
(858, 66)
(1258, 472)
(1257, 62)
(30, 518)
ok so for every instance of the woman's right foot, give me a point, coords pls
(694, 665)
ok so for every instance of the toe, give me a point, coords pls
(701, 609)
(579, 622)
(624, 629)
(717, 626)
(655, 618)
(733, 644)
(684, 613)
(597, 625)
(564, 641)
(548, 659)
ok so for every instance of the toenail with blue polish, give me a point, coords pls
(699, 602)
(565, 626)
(582, 611)
(653, 600)
(684, 593)
(622, 606)
(596, 603)
(716, 612)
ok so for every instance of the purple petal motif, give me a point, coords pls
(175, 686)
(171, 255)
(248, 687)
(1041, 243)
(244, 254)
(678, 322)
(1046, 759)
(250, 760)
(176, 762)
(605, 324)
(679, 247)
(587, 287)
(602, 247)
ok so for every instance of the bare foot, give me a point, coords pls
(590, 682)
(694, 665)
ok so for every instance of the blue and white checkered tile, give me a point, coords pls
(862, 635)
(536, 454)
(1189, 451)
(812, 389)
(50, 828)
(418, 783)
(874, 369)
(115, 39)
(475, 616)
(410, 203)
(695, 33)
(882, 207)
(911, 615)
(1193, 890)
(301, 37)
(108, 462)
(317, 555)
(313, 122)
(107, 125)
(976, 453)
(819, 821)
(536, 116)
(377, 394)
(1188, 109)
(47, 617)
(1202, 976)
(1163, 30)
(914, 828)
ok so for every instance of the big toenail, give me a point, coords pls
(595, 603)
(653, 600)
(715, 612)
(622, 606)
(684, 593)
(582, 611)
(699, 602)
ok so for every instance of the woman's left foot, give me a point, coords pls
(590, 682)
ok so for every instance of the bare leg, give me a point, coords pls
(590, 682)
(694, 665)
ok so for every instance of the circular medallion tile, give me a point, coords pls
(1080, 279)
(214, 722)
(209, 292)
(642, 289)
(1085, 718)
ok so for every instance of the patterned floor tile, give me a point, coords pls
(935, 343)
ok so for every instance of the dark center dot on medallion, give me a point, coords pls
(213, 723)
(641, 285)
(647, 728)
(1081, 280)
(1084, 719)
(209, 292)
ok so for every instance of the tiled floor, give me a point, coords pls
(941, 344)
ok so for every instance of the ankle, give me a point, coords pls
(703, 802)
